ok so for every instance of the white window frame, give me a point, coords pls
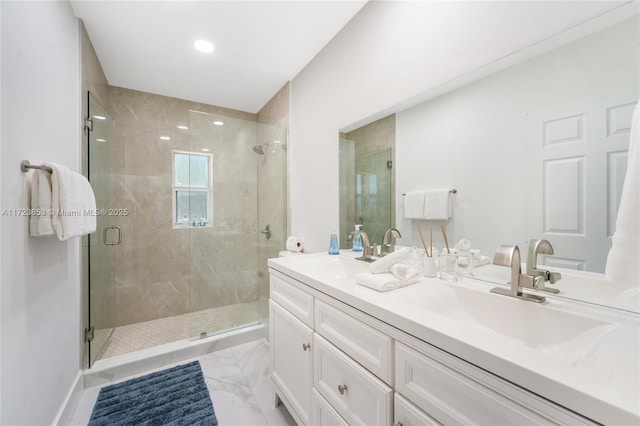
(177, 222)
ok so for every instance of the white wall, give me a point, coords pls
(473, 139)
(40, 277)
(388, 53)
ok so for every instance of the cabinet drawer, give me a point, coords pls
(363, 343)
(357, 395)
(452, 397)
(323, 414)
(407, 414)
(294, 300)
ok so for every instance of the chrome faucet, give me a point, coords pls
(389, 246)
(541, 247)
(510, 256)
(367, 250)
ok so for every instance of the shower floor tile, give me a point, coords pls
(135, 337)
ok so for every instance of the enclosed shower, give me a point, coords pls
(180, 252)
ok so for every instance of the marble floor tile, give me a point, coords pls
(239, 384)
(254, 361)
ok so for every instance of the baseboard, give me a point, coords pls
(70, 403)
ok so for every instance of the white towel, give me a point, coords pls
(404, 273)
(384, 263)
(414, 205)
(622, 262)
(437, 205)
(73, 203)
(382, 282)
(40, 221)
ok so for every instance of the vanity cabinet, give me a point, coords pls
(362, 371)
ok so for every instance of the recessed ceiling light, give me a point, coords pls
(181, 127)
(99, 117)
(277, 142)
(165, 138)
(218, 123)
(101, 140)
(205, 149)
(203, 46)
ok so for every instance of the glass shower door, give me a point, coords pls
(373, 193)
(105, 170)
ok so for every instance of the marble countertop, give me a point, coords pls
(581, 356)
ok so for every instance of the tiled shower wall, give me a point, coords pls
(162, 271)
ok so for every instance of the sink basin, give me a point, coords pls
(540, 326)
(334, 267)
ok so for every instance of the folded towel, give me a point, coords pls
(384, 263)
(40, 222)
(73, 203)
(382, 282)
(404, 272)
(414, 205)
(437, 205)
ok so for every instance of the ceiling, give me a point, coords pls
(259, 45)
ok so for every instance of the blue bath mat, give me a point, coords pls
(176, 396)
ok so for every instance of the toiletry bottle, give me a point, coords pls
(333, 244)
(357, 239)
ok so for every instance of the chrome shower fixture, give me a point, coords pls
(259, 149)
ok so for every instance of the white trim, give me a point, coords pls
(208, 190)
(71, 401)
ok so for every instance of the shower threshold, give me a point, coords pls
(190, 327)
(145, 360)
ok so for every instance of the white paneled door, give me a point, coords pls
(576, 155)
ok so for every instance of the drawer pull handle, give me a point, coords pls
(342, 389)
(305, 346)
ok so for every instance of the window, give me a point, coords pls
(192, 188)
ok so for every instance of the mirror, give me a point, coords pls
(367, 182)
(536, 150)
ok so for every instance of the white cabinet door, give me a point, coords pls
(291, 361)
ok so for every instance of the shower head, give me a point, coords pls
(259, 149)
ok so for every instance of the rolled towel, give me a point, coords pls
(404, 272)
(463, 245)
(382, 282)
(384, 263)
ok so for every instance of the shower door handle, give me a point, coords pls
(267, 231)
(105, 233)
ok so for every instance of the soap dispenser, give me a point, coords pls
(357, 239)
(333, 244)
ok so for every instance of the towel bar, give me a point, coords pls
(25, 166)
(451, 191)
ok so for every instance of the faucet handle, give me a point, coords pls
(554, 277)
(538, 283)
